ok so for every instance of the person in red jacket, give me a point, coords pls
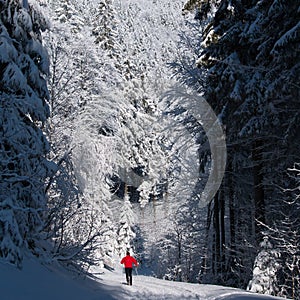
(128, 261)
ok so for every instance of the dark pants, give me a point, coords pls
(128, 272)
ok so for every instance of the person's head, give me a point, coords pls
(127, 253)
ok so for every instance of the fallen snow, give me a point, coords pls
(39, 282)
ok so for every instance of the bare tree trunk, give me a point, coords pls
(179, 249)
(259, 194)
(204, 263)
(231, 206)
(222, 228)
(217, 249)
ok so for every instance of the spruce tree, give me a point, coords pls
(23, 146)
(251, 62)
(125, 232)
(266, 265)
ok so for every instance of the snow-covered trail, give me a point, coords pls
(149, 288)
(40, 282)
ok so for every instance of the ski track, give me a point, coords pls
(150, 288)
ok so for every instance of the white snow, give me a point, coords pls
(40, 282)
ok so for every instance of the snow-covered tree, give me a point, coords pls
(104, 26)
(286, 231)
(94, 166)
(184, 248)
(79, 221)
(70, 13)
(266, 266)
(288, 235)
(244, 53)
(24, 110)
(109, 69)
(125, 233)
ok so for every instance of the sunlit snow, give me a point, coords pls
(40, 282)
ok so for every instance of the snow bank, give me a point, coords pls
(38, 282)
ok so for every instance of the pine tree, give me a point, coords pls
(24, 109)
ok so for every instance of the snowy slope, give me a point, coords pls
(37, 282)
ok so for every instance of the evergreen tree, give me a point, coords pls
(24, 110)
(125, 232)
(104, 26)
(69, 12)
(265, 270)
(247, 47)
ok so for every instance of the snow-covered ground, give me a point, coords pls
(38, 282)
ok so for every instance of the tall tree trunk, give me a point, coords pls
(259, 194)
(222, 228)
(179, 248)
(219, 230)
(232, 217)
(205, 260)
(217, 249)
(231, 206)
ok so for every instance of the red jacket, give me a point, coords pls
(128, 261)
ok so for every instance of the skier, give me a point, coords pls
(128, 261)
